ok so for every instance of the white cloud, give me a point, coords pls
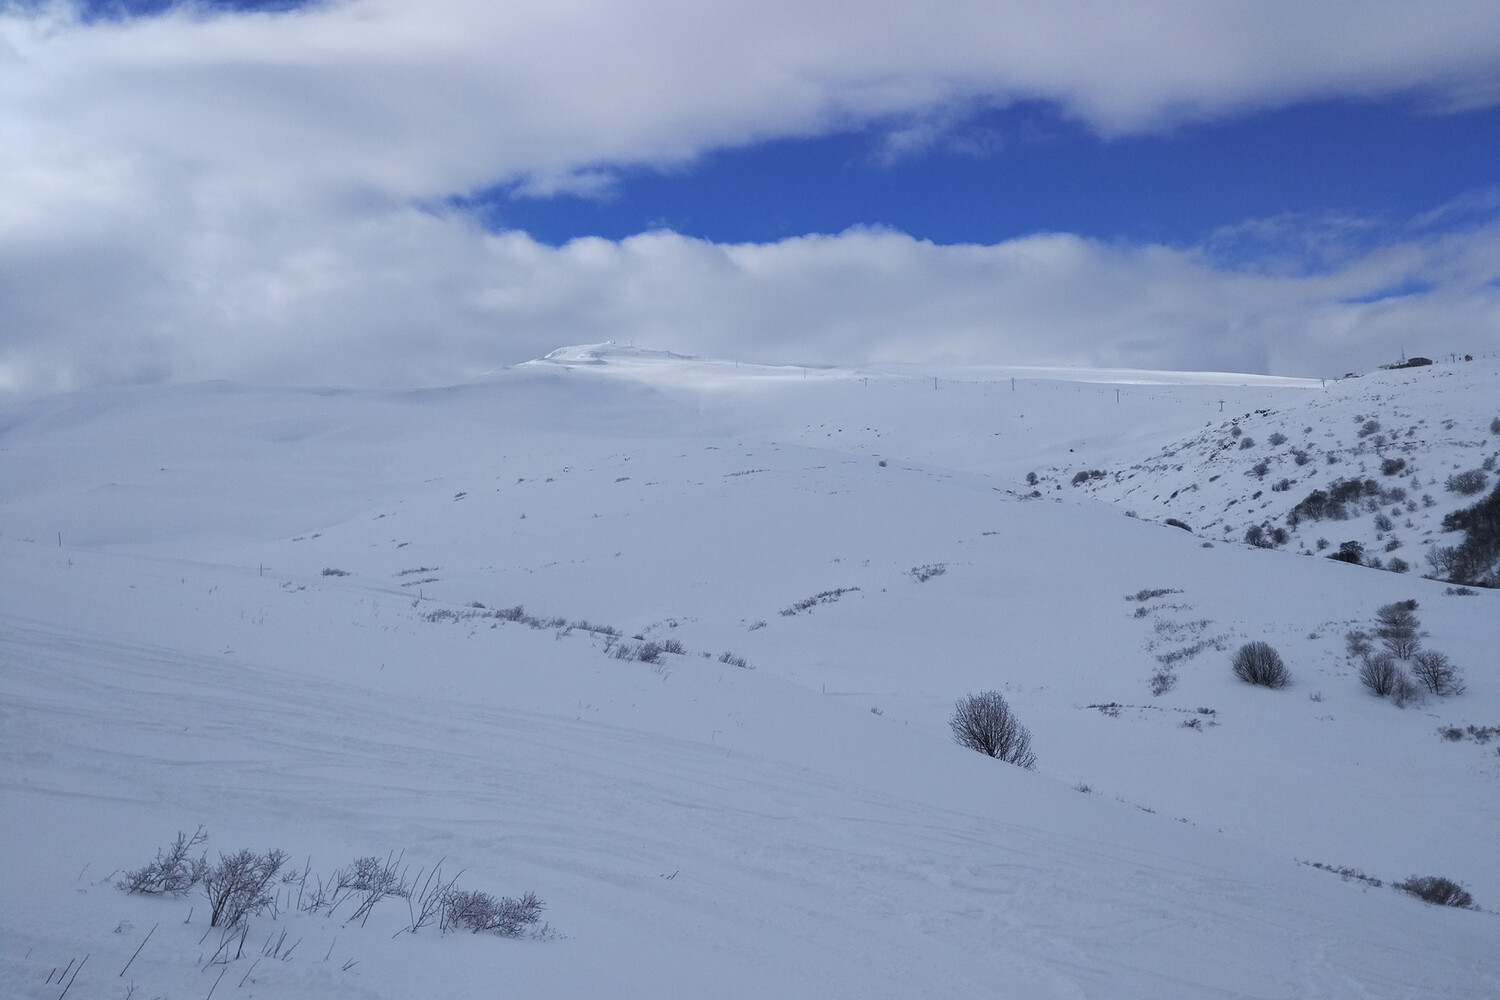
(232, 194)
(404, 297)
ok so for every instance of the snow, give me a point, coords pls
(172, 653)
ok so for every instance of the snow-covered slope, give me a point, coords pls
(1375, 462)
(345, 624)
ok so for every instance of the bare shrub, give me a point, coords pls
(173, 873)
(1257, 663)
(1406, 691)
(479, 911)
(1437, 673)
(375, 879)
(984, 722)
(1379, 673)
(239, 885)
(425, 902)
(733, 661)
(673, 646)
(1162, 681)
(1437, 890)
(1397, 627)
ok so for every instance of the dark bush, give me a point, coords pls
(1380, 674)
(1467, 483)
(1277, 439)
(1349, 552)
(1257, 663)
(1437, 673)
(1437, 890)
(1473, 559)
(984, 722)
(1397, 627)
(1178, 524)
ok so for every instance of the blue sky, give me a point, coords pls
(403, 192)
(1019, 170)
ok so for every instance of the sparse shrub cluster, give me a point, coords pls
(518, 615)
(926, 572)
(1265, 536)
(1258, 663)
(1333, 503)
(984, 722)
(1382, 673)
(1082, 477)
(245, 884)
(467, 910)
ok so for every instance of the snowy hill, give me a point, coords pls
(410, 624)
(1375, 463)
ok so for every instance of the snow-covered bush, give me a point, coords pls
(1257, 663)
(239, 885)
(984, 722)
(479, 911)
(173, 873)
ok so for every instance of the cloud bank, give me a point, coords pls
(251, 195)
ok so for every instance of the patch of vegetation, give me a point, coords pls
(807, 603)
(1346, 873)
(1152, 593)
